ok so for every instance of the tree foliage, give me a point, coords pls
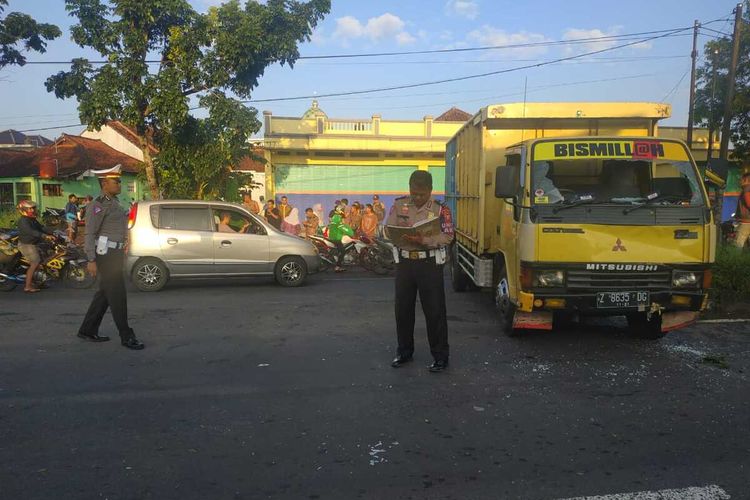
(218, 56)
(21, 29)
(710, 96)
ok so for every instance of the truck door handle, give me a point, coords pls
(172, 241)
(226, 243)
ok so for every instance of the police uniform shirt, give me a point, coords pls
(104, 217)
(405, 214)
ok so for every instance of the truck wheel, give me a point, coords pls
(459, 280)
(505, 307)
(641, 327)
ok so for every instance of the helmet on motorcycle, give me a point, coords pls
(27, 208)
(336, 219)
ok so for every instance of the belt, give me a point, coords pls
(416, 254)
(116, 245)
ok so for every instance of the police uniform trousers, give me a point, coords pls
(111, 294)
(426, 277)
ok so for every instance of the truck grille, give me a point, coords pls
(583, 280)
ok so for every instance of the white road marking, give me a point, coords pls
(711, 492)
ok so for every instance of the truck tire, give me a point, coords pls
(642, 328)
(506, 309)
(459, 279)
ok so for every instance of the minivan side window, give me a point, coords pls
(228, 221)
(184, 218)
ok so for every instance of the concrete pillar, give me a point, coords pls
(428, 126)
(267, 122)
(376, 124)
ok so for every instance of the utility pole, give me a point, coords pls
(691, 108)
(711, 121)
(724, 149)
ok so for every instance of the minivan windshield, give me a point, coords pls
(607, 171)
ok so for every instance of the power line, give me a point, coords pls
(468, 77)
(593, 60)
(572, 41)
(674, 89)
(529, 90)
(717, 32)
(665, 34)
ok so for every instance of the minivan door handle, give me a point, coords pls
(226, 243)
(172, 241)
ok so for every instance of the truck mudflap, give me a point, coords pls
(677, 319)
(537, 320)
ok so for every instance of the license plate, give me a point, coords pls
(606, 300)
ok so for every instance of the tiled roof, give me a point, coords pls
(15, 138)
(250, 163)
(74, 155)
(453, 115)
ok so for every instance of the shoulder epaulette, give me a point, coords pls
(100, 198)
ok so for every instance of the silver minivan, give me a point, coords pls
(198, 239)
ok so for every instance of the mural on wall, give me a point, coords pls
(308, 185)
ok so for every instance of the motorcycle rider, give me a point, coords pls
(336, 231)
(30, 234)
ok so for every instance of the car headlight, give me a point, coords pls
(684, 279)
(549, 278)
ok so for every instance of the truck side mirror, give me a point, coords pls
(506, 182)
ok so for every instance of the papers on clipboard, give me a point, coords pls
(427, 228)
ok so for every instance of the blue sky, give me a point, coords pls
(652, 71)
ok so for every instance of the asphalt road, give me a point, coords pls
(249, 390)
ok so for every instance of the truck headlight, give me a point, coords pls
(684, 279)
(549, 278)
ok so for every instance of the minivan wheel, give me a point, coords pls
(290, 271)
(150, 275)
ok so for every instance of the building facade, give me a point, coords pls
(315, 159)
(50, 174)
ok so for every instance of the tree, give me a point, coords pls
(18, 28)
(710, 94)
(218, 56)
(197, 160)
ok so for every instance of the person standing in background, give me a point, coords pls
(272, 214)
(369, 227)
(284, 208)
(249, 203)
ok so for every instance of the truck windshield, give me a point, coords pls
(559, 177)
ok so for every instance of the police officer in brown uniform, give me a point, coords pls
(420, 269)
(106, 233)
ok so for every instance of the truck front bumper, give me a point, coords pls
(586, 303)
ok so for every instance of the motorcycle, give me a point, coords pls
(329, 252)
(60, 262)
(378, 256)
(53, 217)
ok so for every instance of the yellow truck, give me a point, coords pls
(567, 209)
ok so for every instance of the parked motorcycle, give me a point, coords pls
(378, 256)
(53, 217)
(60, 262)
(329, 252)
